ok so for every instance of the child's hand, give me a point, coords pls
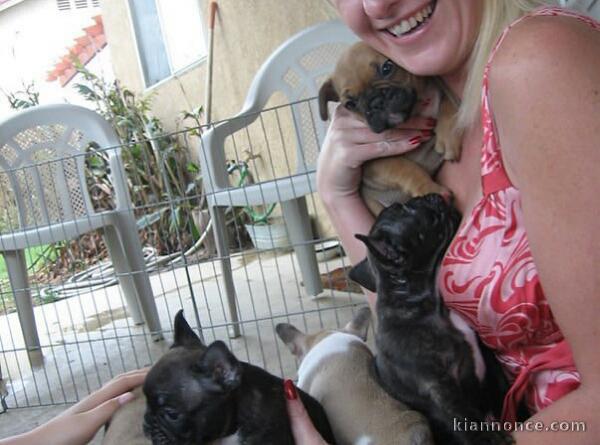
(80, 423)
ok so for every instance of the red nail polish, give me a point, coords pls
(431, 122)
(290, 390)
(414, 141)
(427, 133)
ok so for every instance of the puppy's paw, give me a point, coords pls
(453, 154)
(449, 149)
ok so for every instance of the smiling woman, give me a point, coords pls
(528, 288)
(414, 22)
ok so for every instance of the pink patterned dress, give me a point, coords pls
(489, 278)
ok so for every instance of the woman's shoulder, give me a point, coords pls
(545, 73)
(539, 42)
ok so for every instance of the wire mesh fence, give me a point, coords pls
(199, 229)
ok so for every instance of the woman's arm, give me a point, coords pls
(79, 424)
(350, 143)
(545, 93)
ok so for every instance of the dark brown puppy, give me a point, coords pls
(385, 95)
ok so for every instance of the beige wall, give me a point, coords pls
(246, 33)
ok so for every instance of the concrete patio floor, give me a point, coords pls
(90, 338)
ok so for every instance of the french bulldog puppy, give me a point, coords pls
(385, 95)
(198, 394)
(336, 368)
(423, 360)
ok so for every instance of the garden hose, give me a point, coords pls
(103, 274)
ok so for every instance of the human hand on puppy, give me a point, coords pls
(78, 424)
(303, 430)
(350, 143)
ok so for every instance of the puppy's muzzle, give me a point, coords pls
(157, 434)
(387, 107)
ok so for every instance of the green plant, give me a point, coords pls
(164, 183)
(257, 215)
(26, 98)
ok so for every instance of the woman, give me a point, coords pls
(526, 184)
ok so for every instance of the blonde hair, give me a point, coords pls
(496, 16)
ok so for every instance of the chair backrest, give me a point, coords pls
(297, 69)
(42, 162)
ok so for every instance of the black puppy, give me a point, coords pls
(197, 395)
(422, 360)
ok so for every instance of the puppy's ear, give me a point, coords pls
(363, 275)
(293, 338)
(359, 326)
(225, 369)
(327, 93)
(184, 335)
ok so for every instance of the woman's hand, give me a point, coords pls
(80, 423)
(303, 430)
(350, 143)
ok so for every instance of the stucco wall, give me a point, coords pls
(34, 36)
(246, 33)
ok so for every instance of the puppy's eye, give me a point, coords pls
(171, 414)
(387, 68)
(350, 105)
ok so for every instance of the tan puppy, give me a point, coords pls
(336, 369)
(385, 95)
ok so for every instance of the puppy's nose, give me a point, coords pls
(377, 102)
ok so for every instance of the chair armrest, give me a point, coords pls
(212, 148)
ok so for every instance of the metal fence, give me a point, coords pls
(83, 318)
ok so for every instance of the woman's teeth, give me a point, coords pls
(411, 23)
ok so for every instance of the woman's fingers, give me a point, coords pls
(366, 146)
(303, 430)
(115, 387)
(93, 419)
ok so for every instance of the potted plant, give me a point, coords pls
(265, 231)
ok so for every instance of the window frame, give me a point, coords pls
(173, 73)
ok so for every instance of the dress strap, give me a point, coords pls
(493, 174)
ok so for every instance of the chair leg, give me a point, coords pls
(295, 213)
(133, 248)
(19, 282)
(221, 240)
(121, 266)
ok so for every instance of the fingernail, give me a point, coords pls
(124, 398)
(431, 122)
(427, 133)
(414, 141)
(290, 390)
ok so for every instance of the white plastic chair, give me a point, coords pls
(296, 70)
(42, 168)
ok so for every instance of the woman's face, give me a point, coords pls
(425, 37)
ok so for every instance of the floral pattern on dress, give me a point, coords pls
(489, 278)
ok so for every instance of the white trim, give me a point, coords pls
(162, 33)
(137, 47)
(10, 4)
(176, 74)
